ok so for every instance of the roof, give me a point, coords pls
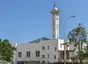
(38, 40)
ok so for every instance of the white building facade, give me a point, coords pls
(44, 51)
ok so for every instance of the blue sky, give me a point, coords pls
(24, 20)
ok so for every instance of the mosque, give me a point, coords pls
(44, 50)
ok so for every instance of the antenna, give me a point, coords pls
(54, 3)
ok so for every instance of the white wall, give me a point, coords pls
(52, 44)
(60, 44)
(32, 47)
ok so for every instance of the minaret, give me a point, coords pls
(55, 22)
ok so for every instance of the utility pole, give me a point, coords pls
(65, 43)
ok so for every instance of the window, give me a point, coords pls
(60, 45)
(48, 47)
(54, 56)
(48, 62)
(55, 48)
(53, 22)
(19, 54)
(43, 48)
(57, 18)
(43, 56)
(67, 53)
(62, 54)
(37, 53)
(53, 28)
(48, 55)
(53, 35)
(28, 53)
(43, 62)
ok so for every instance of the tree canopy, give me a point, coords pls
(6, 50)
(77, 37)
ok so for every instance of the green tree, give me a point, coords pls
(85, 54)
(6, 50)
(77, 37)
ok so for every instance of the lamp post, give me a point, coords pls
(73, 55)
(65, 43)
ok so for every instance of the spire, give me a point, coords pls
(54, 10)
(54, 4)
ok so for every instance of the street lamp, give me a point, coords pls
(65, 43)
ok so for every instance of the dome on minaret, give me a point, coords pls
(54, 10)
